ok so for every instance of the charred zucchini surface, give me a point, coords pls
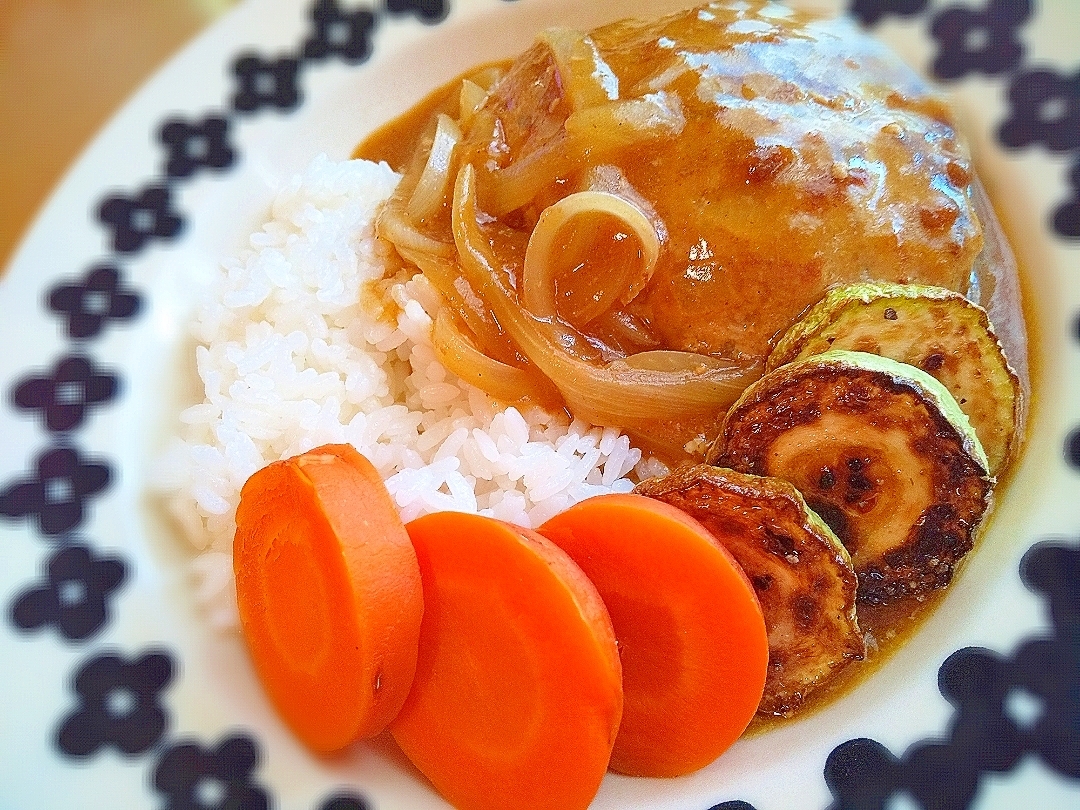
(934, 329)
(881, 451)
(801, 573)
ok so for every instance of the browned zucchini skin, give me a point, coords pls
(961, 490)
(764, 524)
(936, 329)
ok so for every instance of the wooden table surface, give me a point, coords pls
(65, 67)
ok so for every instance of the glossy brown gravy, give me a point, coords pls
(395, 142)
(887, 628)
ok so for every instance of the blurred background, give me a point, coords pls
(65, 67)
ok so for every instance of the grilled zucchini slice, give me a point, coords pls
(880, 450)
(937, 330)
(800, 571)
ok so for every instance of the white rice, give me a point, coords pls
(315, 335)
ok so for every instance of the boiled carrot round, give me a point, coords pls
(690, 630)
(518, 694)
(329, 593)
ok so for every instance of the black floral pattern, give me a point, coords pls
(429, 11)
(979, 41)
(734, 805)
(266, 83)
(75, 596)
(202, 145)
(1045, 111)
(1052, 569)
(193, 778)
(1066, 219)
(119, 705)
(861, 774)
(135, 221)
(346, 34)
(869, 12)
(89, 304)
(58, 492)
(981, 728)
(64, 397)
(1006, 708)
(345, 802)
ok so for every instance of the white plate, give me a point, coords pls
(114, 693)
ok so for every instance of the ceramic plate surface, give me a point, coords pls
(114, 693)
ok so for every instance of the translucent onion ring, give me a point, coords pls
(431, 188)
(459, 296)
(538, 275)
(403, 235)
(672, 361)
(470, 98)
(516, 185)
(585, 76)
(506, 383)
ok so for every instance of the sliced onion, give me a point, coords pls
(459, 296)
(605, 128)
(605, 394)
(506, 383)
(538, 276)
(394, 227)
(434, 180)
(518, 184)
(437, 261)
(586, 78)
(474, 91)
(486, 76)
(623, 331)
(672, 361)
(470, 99)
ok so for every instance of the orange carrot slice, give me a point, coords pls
(690, 630)
(518, 694)
(329, 593)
